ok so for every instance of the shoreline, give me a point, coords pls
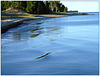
(11, 23)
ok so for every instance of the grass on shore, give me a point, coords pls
(28, 16)
(14, 16)
(3, 17)
(16, 13)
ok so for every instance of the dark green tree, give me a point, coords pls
(62, 8)
(65, 9)
(22, 5)
(57, 5)
(35, 7)
(47, 7)
(15, 4)
(31, 7)
(5, 5)
(41, 9)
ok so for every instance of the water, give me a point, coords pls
(73, 43)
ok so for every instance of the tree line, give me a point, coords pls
(35, 7)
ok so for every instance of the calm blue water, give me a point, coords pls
(73, 41)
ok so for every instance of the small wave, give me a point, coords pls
(43, 55)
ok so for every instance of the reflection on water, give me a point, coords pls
(51, 33)
(16, 36)
(36, 32)
(39, 23)
(20, 35)
(74, 39)
(55, 33)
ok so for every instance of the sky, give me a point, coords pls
(82, 6)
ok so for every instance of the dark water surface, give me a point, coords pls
(73, 44)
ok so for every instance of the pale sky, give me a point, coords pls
(82, 6)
